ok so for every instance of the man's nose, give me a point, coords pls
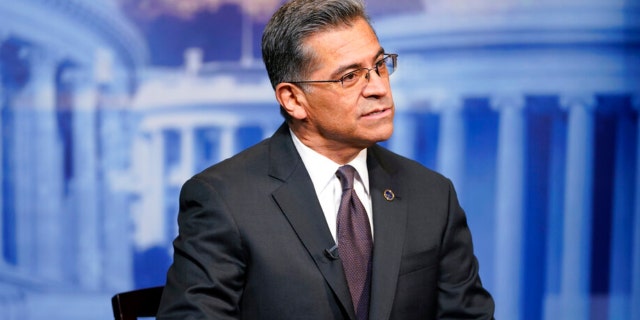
(376, 84)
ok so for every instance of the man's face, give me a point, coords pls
(343, 119)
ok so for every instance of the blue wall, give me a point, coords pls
(530, 108)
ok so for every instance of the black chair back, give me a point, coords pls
(137, 303)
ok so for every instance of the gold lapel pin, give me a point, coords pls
(389, 195)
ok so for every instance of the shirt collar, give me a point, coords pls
(324, 169)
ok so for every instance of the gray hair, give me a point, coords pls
(283, 53)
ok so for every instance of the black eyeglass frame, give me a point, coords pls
(394, 61)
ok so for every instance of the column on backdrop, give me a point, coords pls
(187, 157)
(509, 206)
(228, 141)
(47, 164)
(20, 161)
(403, 140)
(115, 133)
(576, 252)
(150, 178)
(36, 165)
(450, 157)
(84, 186)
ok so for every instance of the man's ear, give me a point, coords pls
(292, 99)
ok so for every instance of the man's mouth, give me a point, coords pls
(376, 112)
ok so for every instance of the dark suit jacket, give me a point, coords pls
(253, 239)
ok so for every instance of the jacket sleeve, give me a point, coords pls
(207, 276)
(461, 294)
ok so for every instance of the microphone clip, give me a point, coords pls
(332, 253)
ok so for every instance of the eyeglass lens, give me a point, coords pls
(383, 68)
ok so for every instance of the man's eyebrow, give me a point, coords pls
(341, 70)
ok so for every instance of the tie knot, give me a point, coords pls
(346, 174)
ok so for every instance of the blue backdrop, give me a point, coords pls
(530, 107)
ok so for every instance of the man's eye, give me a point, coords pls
(351, 76)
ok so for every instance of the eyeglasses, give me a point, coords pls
(383, 68)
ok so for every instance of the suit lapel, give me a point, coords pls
(389, 220)
(298, 201)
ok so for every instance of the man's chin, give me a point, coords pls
(382, 137)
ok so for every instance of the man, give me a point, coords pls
(270, 233)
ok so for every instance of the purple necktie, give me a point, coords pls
(355, 243)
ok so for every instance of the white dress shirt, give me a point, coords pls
(322, 171)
